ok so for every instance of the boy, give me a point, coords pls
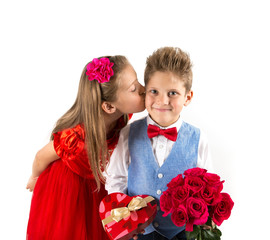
(155, 149)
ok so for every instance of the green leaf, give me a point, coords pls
(194, 233)
(209, 234)
(209, 222)
(217, 231)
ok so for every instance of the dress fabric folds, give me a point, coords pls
(65, 200)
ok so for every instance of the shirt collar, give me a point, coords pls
(177, 124)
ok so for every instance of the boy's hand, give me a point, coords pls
(206, 227)
(31, 183)
(135, 237)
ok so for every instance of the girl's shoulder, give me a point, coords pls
(69, 142)
(77, 130)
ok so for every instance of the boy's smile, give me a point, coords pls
(165, 97)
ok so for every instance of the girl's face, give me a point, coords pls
(130, 94)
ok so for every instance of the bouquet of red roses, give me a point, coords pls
(196, 201)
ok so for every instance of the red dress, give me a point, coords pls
(65, 202)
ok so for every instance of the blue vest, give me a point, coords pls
(146, 177)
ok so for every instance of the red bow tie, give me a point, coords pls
(170, 133)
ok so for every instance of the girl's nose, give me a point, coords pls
(142, 90)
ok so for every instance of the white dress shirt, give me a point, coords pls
(117, 170)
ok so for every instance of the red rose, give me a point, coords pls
(166, 203)
(179, 216)
(175, 182)
(222, 210)
(179, 196)
(198, 172)
(210, 195)
(214, 180)
(197, 212)
(194, 184)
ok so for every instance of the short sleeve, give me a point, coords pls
(69, 143)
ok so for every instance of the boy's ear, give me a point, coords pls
(189, 97)
(108, 107)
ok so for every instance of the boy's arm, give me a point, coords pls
(117, 170)
(43, 158)
(204, 156)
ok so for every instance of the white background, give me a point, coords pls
(45, 45)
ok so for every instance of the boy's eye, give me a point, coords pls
(153, 91)
(172, 93)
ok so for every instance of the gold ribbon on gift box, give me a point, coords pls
(135, 204)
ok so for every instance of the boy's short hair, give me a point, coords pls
(170, 59)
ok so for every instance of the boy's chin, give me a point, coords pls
(163, 122)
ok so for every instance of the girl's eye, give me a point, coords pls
(133, 88)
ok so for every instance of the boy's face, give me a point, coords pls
(165, 98)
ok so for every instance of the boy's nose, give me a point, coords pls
(163, 99)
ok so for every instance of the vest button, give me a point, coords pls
(160, 175)
(156, 224)
(158, 192)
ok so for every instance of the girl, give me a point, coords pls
(67, 173)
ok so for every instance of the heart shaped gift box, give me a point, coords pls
(124, 216)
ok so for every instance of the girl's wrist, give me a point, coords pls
(34, 177)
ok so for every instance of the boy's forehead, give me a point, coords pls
(166, 79)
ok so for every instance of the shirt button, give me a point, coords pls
(160, 146)
(160, 175)
(156, 224)
(158, 192)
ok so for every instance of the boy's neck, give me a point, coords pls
(164, 124)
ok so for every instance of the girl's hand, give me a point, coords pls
(43, 158)
(31, 183)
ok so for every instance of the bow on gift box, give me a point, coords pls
(135, 204)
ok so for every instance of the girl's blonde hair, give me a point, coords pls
(87, 111)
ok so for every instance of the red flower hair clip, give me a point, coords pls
(100, 70)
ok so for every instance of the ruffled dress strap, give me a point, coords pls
(69, 145)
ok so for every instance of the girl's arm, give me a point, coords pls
(43, 158)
